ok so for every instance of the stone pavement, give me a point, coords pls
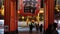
(27, 32)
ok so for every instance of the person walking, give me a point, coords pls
(31, 26)
(49, 29)
(37, 27)
(54, 28)
(40, 27)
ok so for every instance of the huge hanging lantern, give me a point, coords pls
(29, 7)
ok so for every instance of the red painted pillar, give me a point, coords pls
(49, 12)
(10, 15)
(13, 17)
(6, 15)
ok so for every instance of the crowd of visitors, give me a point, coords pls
(35, 25)
(50, 30)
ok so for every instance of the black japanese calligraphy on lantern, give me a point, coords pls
(30, 6)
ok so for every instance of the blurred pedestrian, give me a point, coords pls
(49, 29)
(54, 28)
(31, 26)
(40, 27)
(37, 27)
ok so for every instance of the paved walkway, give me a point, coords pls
(26, 32)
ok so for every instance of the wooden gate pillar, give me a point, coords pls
(49, 12)
(10, 17)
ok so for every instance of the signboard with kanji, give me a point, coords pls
(29, 7)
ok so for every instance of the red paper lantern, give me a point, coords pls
(31, 3)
